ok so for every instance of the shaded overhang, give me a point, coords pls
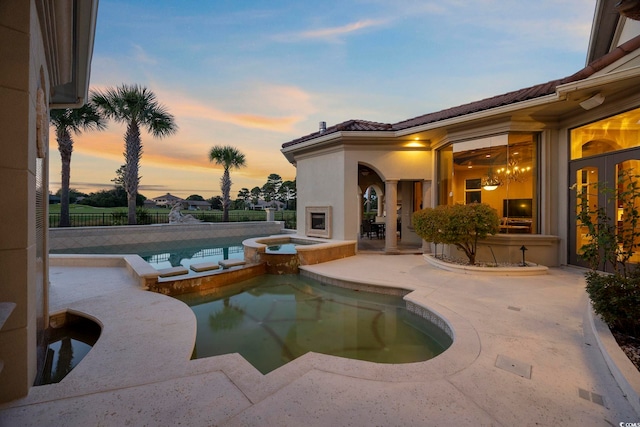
(68, 32)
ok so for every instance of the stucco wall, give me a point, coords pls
(321, 182)
(330, 178)
(22, 54)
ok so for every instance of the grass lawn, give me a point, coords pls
(84, 209)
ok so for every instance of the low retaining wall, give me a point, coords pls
(541, 249)
(82, 237)
(215, 279)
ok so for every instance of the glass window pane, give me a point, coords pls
(628, 203)
(587, 191)
(612, 134)
(445, 176)
(510, 168)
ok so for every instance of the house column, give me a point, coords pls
(380, 209)
(391, 223)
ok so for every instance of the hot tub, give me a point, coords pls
(283, 254)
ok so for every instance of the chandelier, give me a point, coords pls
(491, 181)
(512, 172)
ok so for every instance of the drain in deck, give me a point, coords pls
(514, 366)
(591, 396)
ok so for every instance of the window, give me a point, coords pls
(498, 170)
(605, 136)
(473, 190)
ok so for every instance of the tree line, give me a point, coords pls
(137, 107)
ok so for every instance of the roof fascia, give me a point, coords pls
(603, 29)
(482, 115)
(338, 136)
(594, 82)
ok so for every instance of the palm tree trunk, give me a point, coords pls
(65, 146)
(133, 153)
(225, 185)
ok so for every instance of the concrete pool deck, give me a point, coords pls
(525, 354)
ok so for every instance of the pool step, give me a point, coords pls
(228, 263)
(173, 271)
(205, 266)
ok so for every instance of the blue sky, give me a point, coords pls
(257, 74)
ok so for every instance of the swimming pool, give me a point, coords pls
(172, 254)
(273, 319)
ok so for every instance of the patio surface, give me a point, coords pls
(524, 354)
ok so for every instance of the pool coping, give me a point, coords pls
(462, 352)
(157, 367)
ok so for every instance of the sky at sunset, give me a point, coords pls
(256, 74)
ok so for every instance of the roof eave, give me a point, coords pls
(481, 115)
(68, 27)
(330, 138)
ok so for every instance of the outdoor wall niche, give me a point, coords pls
(318, 221)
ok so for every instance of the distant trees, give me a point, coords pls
(74, 194)
(67, 122)
(244, 195)
(288, 194)
(256, 192)
(113, 198)
(137, 107)
(216, 202)
(195, 198)
(271, 187)
(229, 158)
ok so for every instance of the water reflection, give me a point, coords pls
(274, 319)
(67, 346)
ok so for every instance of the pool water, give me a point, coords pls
(282, 248)
(66, 347)
(273, 319)
(173, 254)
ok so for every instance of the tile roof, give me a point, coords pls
(482, 105)
(349, 125)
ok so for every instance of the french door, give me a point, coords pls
(584, 174)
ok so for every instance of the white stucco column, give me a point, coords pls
(391, 202)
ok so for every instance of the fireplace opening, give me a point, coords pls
(318, 221)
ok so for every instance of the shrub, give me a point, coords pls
(143, 216)
(429, 224)
(459, 225)
(616, 299)
(119, 217)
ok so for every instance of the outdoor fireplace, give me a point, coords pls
(318, 221)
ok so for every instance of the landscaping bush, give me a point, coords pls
(616, 299)
(119, 217)
(142, 216)
(459, 225)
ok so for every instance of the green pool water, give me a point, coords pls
(273, 319)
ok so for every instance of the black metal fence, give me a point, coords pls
(149, 217)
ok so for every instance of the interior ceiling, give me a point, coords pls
(495, 156)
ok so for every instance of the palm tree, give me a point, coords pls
(66, 122)
(136, 106)
(229, 157)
